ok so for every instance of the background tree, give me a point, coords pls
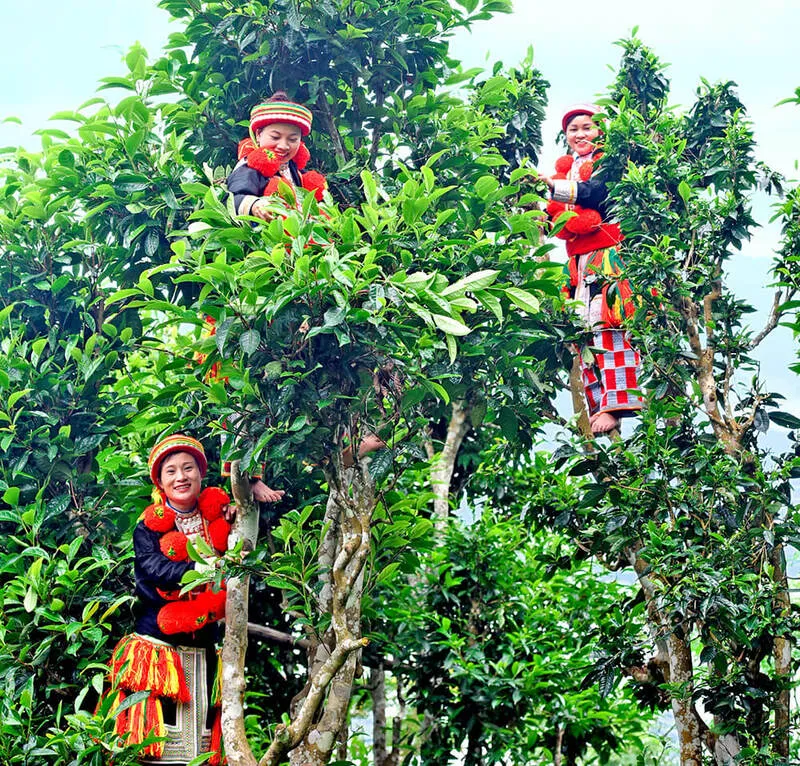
(693, 502)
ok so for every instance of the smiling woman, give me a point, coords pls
(172, 653)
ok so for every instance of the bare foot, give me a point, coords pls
(368, 444)
(264, 494)
(603, 422)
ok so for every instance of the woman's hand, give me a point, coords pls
(259, 209)
(547, 179)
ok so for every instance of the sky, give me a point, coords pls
(53, 52)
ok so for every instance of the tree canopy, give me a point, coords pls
(466, 564)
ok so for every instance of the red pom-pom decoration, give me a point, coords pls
(264, 161)
(563, 164)
(215, 604)
(218, 531)
(189, 615)
(585, 171)
(211, 502)
(159, 518)
(584, 222)
(314, 181)
(302, 157)
(246, 146)
(173, 546)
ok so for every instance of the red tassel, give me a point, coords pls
(173, 546)
(191, 615)
(584, 222)
(215, 746)
(585, 171)
(315, 182)
(564, 163)
(211, 502)
(246, 146)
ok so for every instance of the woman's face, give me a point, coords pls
(581, 134)
(179, 477)
(281, 138)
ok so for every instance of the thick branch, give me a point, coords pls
(377, 688)
(442, 470)
(234, 645)
(782, 654)
(277, 636)
(287, 737)
(704, 367)
(578, 399)
(330, 127)
(774, 315)
(680, 669)
(377, 125)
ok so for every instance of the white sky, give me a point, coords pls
(52, 52)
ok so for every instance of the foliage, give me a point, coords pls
(495, 641)
(692, 500)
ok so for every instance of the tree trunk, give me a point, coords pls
(445, 462)
(687, 723)
(782, 654)
(377, 688)
(234, 645)
(578, 398)
(678, 655)
(319, 712)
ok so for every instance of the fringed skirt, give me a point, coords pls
(176, 712)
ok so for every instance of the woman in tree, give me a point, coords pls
(594, 267)
(172, 655)
(274, 152)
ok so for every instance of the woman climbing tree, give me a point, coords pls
(609, 375)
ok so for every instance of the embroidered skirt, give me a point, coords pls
(177, 708)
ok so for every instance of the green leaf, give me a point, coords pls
(452, 347)
(785, 419)
(450, 325)
(486, 185)
(11, 496)
(17, 395)
(685, 191)
(477, 281)
(523, 299)
(249, 341)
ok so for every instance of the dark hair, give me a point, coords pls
(279, 95)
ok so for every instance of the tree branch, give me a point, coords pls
(445, 462)
(774, 315)
(287, 737)
(234, 645)
(330, 127)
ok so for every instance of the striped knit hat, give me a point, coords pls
(171, 445)
(280, 111)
